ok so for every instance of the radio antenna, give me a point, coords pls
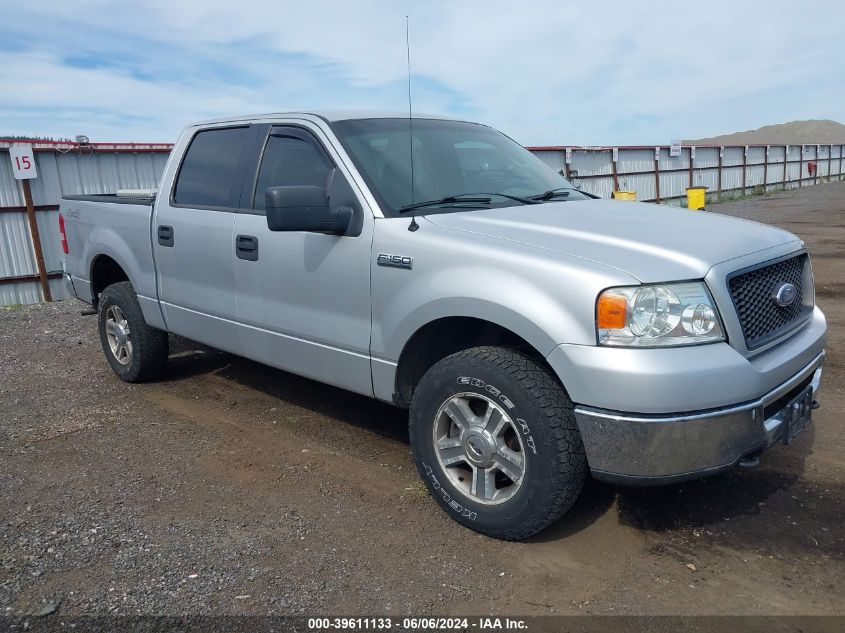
(413, 226)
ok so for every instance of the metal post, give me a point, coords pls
(657, 178)
(766, 170)
(785, 158)
(691, 159)
(800, 164)
(744, 166)
(36, 240)
(829, 162)
(719, 176)
(615, 172)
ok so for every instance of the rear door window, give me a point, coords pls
(208, 169)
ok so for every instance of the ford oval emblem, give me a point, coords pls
(785, 295)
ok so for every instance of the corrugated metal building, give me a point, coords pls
(657, 176)
(63, 169)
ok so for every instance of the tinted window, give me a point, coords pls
(290, 160)
(208, 169)
(450, 158)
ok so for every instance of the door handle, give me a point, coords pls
(246, 247)
(165, 235)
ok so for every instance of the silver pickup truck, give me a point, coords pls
(535, 333)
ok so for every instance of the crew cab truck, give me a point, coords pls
(535, 333)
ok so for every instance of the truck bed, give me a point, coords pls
(110, 232)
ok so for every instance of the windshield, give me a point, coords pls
(451, 159)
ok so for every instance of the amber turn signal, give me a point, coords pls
(611, 312)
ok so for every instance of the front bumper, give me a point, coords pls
(671, 380)
(662, 448)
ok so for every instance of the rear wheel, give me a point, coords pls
(135, 351)
(495, 439)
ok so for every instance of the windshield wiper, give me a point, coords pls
(560, 192)
(467, 197)
(461, 197)
(510, 197)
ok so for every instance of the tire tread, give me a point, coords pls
(149, 343)
(567, 476)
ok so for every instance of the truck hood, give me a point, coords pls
(651, 242)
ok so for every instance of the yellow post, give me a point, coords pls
(624, 195)
(696, 198)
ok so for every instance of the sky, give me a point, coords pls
(544, 72)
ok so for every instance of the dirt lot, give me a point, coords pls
(229, 487)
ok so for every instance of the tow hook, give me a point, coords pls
(750, 461)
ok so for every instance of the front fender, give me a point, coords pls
(544, 297)
(528, 312)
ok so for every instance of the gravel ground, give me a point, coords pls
(231, 488)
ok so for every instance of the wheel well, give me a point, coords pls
(443, 337)
(105, 272)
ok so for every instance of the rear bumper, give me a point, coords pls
(78, 288)
(69, 285)
(646, 449)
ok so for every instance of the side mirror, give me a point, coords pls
(304, 208)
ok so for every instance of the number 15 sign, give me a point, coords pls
(23, 161)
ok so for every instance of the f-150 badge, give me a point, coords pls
(395, 261)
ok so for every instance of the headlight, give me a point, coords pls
(657, 316)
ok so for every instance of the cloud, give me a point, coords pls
(545, 72)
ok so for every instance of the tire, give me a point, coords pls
(135, 351)
(540, 431)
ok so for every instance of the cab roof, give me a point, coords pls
(330, 116)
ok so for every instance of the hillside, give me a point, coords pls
(792, 133)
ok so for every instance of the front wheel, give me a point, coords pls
(495, 439)
(134, 350)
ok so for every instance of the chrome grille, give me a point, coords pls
(753, 294)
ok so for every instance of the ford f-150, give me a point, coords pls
(535, 333)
